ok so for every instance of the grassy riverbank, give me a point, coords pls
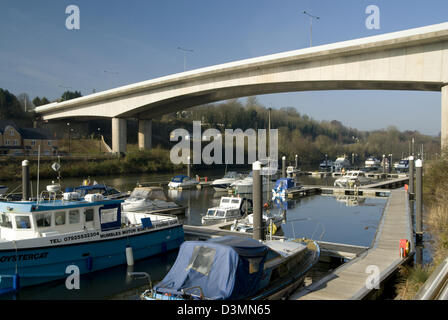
(435, 219)
(148, 161)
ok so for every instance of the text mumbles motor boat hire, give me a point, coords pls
(39, 239)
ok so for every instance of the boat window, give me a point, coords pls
(89, 215)
(225, 200)
(254, 264)
(23, 222)
(59, 218)
(220, 213)
(43, 220)
(5, 221)
(211, 212)
(202, 259)
(235, 201)
(73, 216)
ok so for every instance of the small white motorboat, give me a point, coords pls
(224, 183)
(245, 185)
(353, 178)
(148, 199)
(182, 182)
(229, 208)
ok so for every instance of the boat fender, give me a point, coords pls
(129, 256)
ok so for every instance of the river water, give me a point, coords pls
(334, 219)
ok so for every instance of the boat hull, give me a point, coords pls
(44, 264)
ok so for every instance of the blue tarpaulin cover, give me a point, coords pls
(224, 268)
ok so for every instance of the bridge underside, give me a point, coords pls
(159, 108)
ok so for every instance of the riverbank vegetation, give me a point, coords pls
(148, 161)
(435, 219)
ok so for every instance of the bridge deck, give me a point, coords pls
(349, 281)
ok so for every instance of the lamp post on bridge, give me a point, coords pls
(99, 138)
(311, 25)
(185, 55)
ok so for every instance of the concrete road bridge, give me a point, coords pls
(414, 59)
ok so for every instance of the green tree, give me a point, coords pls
(68, 95)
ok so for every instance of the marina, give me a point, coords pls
(156, 162)
(331, 247)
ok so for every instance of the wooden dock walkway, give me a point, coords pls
(348, 282)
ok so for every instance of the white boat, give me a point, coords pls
(372, 163)
(229, 209)
(148, 199)
(182, 182)
(245, 185)
(353, 178)
(247, 224)
(224, 183)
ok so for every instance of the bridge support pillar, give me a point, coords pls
(119, 135)
(444, 126)
(144, 134)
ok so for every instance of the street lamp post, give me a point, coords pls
(311, 25)
(185, 55)
(68, 125)
(99, 138)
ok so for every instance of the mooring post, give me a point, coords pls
(188, 166)
(411, 178)
(419, 200)
(384, 163)
(257, 199)
(283, 167)
(390, 163)
(25, 180)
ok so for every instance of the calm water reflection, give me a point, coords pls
(350, 221)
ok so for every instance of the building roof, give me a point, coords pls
(27, 133)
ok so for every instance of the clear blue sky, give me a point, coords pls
(137, 40)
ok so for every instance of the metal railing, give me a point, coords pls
(436, 286)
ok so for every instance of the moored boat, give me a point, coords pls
(149, 200)
(229, 268)
(283, 186)
(182, 182)
(224, 183)
(229, 208)
(352, 178)
(40, 239)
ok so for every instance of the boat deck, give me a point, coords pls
(348, 282)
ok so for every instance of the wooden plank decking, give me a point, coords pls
(348, 282)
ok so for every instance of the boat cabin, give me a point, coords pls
(229, 208)
(31, 219)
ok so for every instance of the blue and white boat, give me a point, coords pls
(40, 239)
(230, 267)
(181, 181)
(283, 186)
(107, 191)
